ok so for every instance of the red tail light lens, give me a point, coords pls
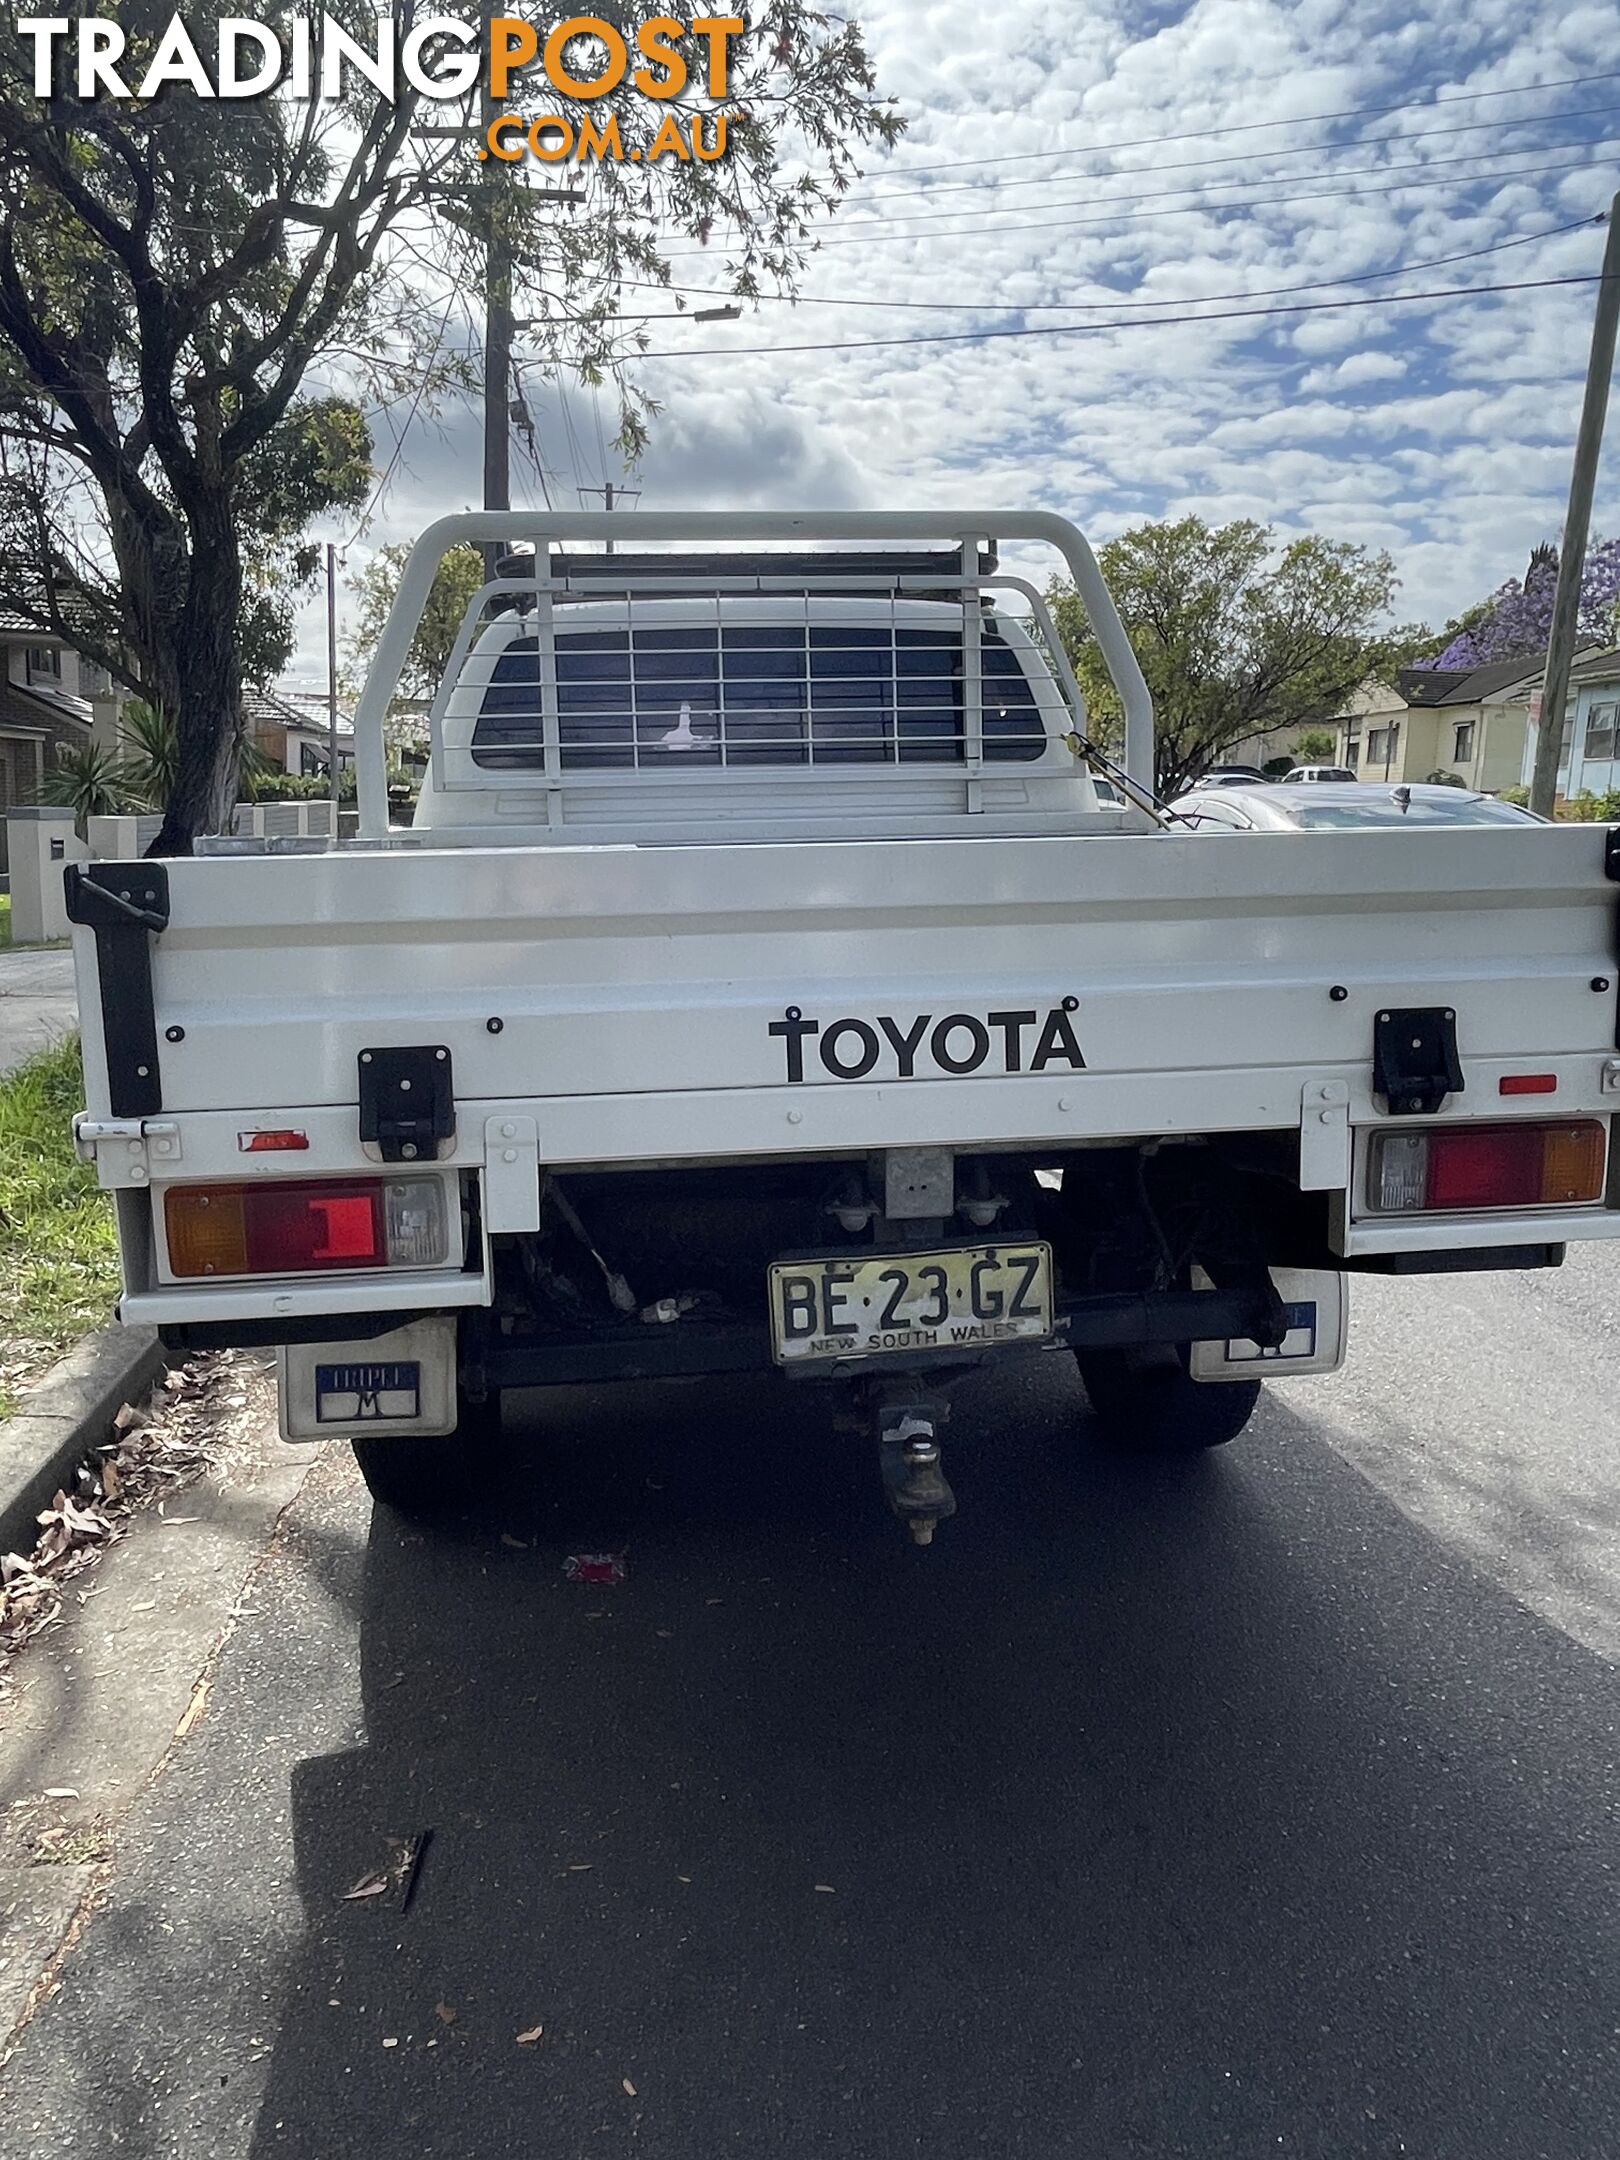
(304, 1227)
(1453, 1169)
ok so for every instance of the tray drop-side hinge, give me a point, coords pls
(126, 1151)
(1415, 1062)
(407, 1101)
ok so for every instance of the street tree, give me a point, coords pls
(459, 576)
(1236, 635)
(1515, 623)
(199, 296)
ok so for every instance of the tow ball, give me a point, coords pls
(908, 1454)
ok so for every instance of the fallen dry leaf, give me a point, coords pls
(367, 1887)
(629, 2088)
(827, 1887)
(194, 1709)
(445, 2015)
(533, 2033)
(518, 1544)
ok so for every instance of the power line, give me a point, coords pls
(1140, 322)
(1251, 127)
(1207, 187)
(1045, 307)
(1239, 157)
(1122, 217)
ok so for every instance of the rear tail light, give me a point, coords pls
(1458, 1167)
(310, 1227)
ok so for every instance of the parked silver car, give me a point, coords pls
(1339, 807)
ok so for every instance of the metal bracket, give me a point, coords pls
(124, 903)
(407, 1101)
(511, 1175)
(1415, 1062)
(126, 1150)
(1324, 1137)
(919, 1183)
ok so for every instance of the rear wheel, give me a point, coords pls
(416, 1476)
(1147, 1402)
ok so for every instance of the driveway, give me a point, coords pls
(37, 1004)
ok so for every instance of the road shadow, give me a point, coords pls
(1183, 1810)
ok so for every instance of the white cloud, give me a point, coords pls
(1360, 367)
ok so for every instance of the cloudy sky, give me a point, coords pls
(1077, 160)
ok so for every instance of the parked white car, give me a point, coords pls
(1357, 806)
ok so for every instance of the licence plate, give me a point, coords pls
(902, 1303)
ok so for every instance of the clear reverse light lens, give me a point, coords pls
(414, 1216)
(1403, 1172)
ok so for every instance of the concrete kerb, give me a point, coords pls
(61, 1420)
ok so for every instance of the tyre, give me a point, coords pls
(421, 1477)
(1147, 1402)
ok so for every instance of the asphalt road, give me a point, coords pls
(37, 1003)
(1262, 1806)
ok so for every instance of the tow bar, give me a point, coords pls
(908, 1456)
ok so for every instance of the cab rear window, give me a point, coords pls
(756, 694)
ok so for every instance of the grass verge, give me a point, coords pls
(58, 1255)
(5, 918)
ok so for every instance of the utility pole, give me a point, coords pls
(611, 497)
(331, 682)
(497, 319)
(1577, 522)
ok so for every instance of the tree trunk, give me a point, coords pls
(208, 684)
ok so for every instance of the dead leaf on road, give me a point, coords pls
(629, 2088)
(194, 1709)
(368, 1886)
(445, 2015)
(518, 1544)
(533, 2033)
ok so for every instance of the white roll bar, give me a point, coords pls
(505, 528)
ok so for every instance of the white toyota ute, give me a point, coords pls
(778, 975)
